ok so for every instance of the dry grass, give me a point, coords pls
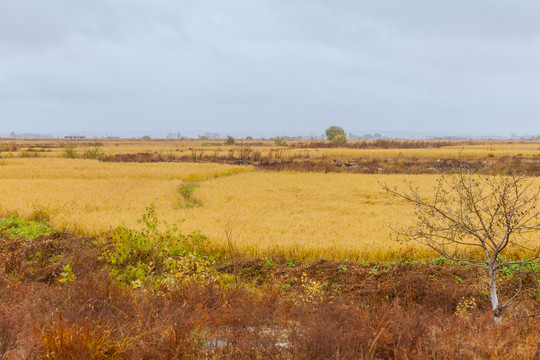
(306, 214)
(471, 151)
(90, 197)
(214, 148)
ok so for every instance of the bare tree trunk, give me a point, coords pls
(493, 295)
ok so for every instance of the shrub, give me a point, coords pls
(28, 154)
(186, 191)
(280, 141)
(70, 152)
(155, 257)
(94, 153)
(339, 139)
(230, 140)
(62, 339)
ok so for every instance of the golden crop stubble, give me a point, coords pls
(472, 151)
(296, 214)
(88, 196)
(306, 214)
(211, 148)
(328, 215)
(311, 214)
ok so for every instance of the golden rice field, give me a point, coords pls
(89, 197)
(470, 151)
(186, 148)
(297, 214)
(189, 148)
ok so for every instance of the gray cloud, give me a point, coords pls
(270, 65)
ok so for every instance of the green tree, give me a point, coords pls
(334, 130)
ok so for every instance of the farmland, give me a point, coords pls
(305, 215)
(302, 214)
(299, 235)
(338, 215)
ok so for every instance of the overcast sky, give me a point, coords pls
(292, 66)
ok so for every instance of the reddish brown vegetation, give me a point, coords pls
(365, 165)
(404, 311)
(382, 144)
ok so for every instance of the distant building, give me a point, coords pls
(75, 137)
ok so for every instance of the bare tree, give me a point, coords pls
(481, 221)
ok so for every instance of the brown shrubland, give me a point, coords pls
(401, 311)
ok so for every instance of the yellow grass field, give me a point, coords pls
(343, 216)
(89, 197)
(471, 151)
(55, 148)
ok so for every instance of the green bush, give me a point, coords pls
(94, 153)
(70, 151)
(28, 154)
(339, 140)
(157, 257)
(280, 141)
(187, 191)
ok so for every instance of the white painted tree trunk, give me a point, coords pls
(493, 296)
